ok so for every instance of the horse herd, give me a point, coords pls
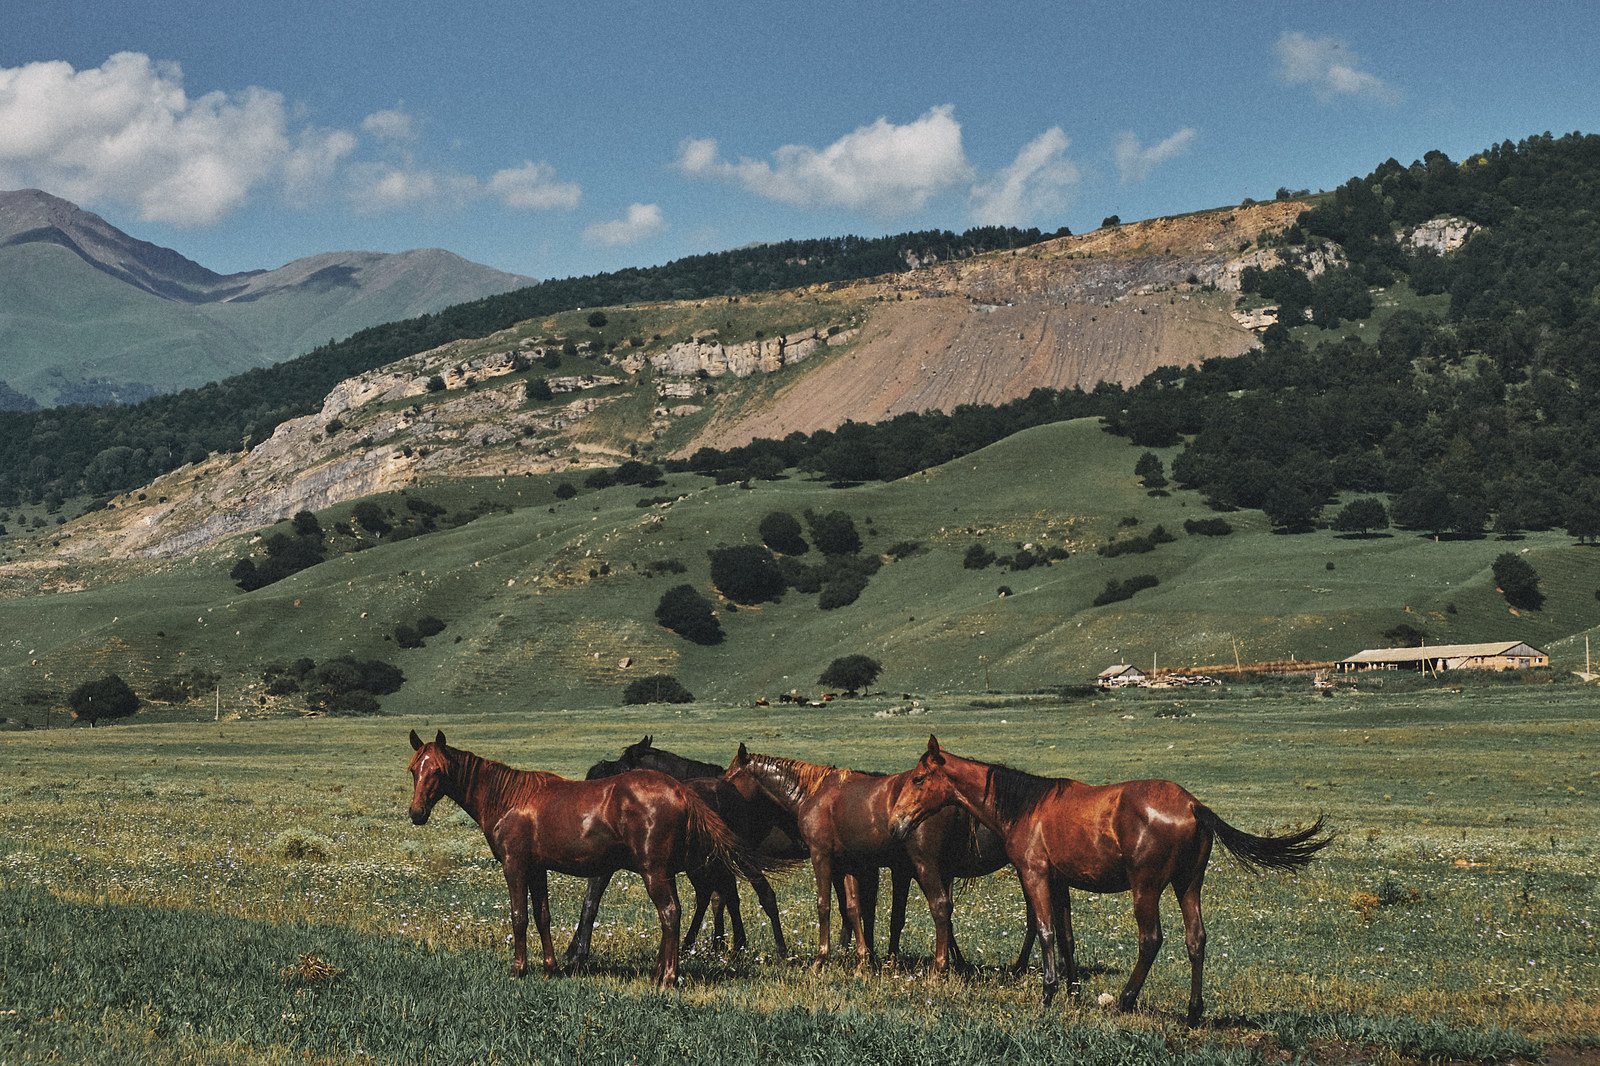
(660, 814)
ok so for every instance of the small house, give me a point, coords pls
(1120, 676)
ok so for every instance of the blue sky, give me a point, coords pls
(563, 139)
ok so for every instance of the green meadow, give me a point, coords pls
(254, 892)
(549, 603)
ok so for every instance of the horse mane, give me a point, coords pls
(501, 785)
(800, 778)
(1015, 792)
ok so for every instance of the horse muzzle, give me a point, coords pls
(901, 825)
(419, 815)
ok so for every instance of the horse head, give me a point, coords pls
(930, 789)
(634, 752)
(430, 774)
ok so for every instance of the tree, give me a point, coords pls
(780, 531)
(657, 688)
(109, 697)
(597, 320)
(1362, 516)
(833, 533)
(1518, 582)
(1148, 469)
(689, 614)
(539, 390)
(746, 574)
(851, 673)
(370, 516)
(1110, 221)
(1291, 508)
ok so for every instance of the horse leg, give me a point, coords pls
(578, 950)
(936, 890)
(1194, 939)
(540, 885)
(517, 886)
(663, 890)
(1066, 942)
(1029, 935)
(899, 893)
(703, 897)
(821, 866)
(866, 957)
(769, 903)
(1036, 886)
(1147, 916)
(730, 893)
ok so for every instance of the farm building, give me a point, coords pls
(1504, 655)
(1119, 676)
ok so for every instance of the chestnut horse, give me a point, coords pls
(843, 818)
(752, 821)
(536, 822)
(1060, 834)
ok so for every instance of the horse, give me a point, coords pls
(843, 818)
(752, 822)
(536, 822)
(1060, 834)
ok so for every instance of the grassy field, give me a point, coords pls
(253, 892)
(545, 600)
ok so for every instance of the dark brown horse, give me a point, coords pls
(536, 822)
(1060, 834)
(843, 818)
(714, 885)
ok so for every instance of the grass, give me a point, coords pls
(546, 599)
(253, 891)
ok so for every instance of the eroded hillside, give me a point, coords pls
(665, 380)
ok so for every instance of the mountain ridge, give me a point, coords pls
(89, 313)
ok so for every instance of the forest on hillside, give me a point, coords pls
(1487, 415)
(47, 456)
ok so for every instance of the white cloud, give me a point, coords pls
(393, 126)
(533, 187)
(641, 222)
(1328, 66)
(1035, 187)
(884, 169)
(1135, 162)
(127, 131)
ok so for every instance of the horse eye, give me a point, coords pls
(918, 779)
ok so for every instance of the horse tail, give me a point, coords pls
(711, 841)
(1288, 852)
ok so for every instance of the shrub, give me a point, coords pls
(1518, 582)
(565, 491)
(1405, 635)
(780, 531)
(300, 845)
(689, 614)
(746, 574)
(851, 673)
(657, 688)
(977, 558)
(1124, 590)
(369, 516)
(407, 636)
(539, 390)
(109, 697)
(833, 533)
(601, 479)
(435, 383)
(1207, 527)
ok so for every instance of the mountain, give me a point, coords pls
(91, 314)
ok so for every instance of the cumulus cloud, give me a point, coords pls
(1036, 186)
(1135, 162)
(127, 132)
(1328, 66)
(394, 126)
(883, 169)
(534, 187)
(641, 222)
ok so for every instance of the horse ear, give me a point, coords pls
(935, 754)
(416, 741)
(439, 740)
(646, 742)
(743, 752)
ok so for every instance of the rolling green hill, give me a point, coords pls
(549, 603)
